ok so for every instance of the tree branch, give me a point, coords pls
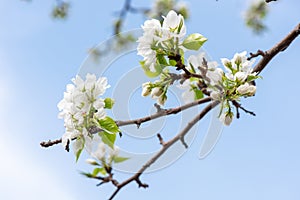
(139, 121)
(165, 147)
(279, 47)
(268, 1)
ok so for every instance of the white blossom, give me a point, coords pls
(146, 90)
(188, 95)
(215, 95)
(100, 152)
(81, 98)
(91, 161)
(240, 76)
(246, 89)
(226, 118)
(156, 92)
(172, 23)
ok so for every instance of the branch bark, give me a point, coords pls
(279, 47)
(165, 147)
(139, 121)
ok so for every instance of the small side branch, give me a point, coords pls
(258, 53)
(50, 143)
(239, 106)
(138, 122)
(268, 1)
(161, 140)
(165, 147)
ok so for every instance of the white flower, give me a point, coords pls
(246, 89)
(157, 38)
(152, 27)
(80, 99)
(240, 76)
(172, 23)
(226, 63)
(115, 151)
(188, 95)
(215, 76)
(91, 161)
(162, 100)
(156, 92)
(100, 152)
(226, 118)
(215, 95)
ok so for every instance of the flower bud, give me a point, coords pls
(226, 118)
(246, 89)
(161, 100)
(215, 95)
(146, 89)
(156, 92)
(226, 62)
(240, 76)
(91, 161)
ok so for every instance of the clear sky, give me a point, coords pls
(256, 157)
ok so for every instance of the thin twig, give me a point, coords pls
(279, 47)
(239, 106)
(165, 147)
(258, 53)
(138, 121)
(268, 1)
(161, 140)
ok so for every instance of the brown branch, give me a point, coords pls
(181, 66)
(164, 113)
(165, 147)
(139, 121)
(268, 1)
(258, 53)
(239, 106)
(161, 140)
(279, 47)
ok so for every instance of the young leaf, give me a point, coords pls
(118, 159)
(78, 146)
(194, 41)
(108, 138)
(88, 175)
(148, 72)
(109, 103)
(99, 170)
(198, 93)
(109, 125)
(172, 62)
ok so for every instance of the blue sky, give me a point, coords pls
(256, 157)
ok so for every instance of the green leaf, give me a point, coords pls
(108, 138)
(194, 41)
(161, 60)
(78, 146)
(88, 175)
(172, 62)
(118, 159)
(148, 72)
(99, 170)
(109, 125)
(198, 93)
(180, 26)
(251, 78)
(109, 103)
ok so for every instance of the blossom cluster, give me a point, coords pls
(161, 44)
(236, 82)
(81, 106)
(157, 40)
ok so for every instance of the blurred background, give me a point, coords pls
(256, 157)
